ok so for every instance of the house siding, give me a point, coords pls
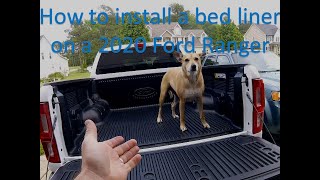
(255, 34)
(276, 38)
(170, 33)
(51, 65)
(166, 34)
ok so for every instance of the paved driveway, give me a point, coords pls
(43, 166)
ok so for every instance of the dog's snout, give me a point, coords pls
(193, 67)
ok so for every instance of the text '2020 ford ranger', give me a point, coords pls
(122, 98)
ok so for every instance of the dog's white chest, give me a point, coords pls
(192, 93)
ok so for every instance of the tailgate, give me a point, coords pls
(239, 157)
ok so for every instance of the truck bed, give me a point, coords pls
(140, 123)
(239, 157)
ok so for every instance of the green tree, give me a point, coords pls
(212, 30)
(243, 28)
(129, 29)
(86, 31)
(191, 22)
(230, 32)
(107, 9)
(176, 9)
(55, 76)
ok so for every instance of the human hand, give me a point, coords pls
(109, 159)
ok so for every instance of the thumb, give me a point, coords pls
(91, 130)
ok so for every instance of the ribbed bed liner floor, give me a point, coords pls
(140, 123)
(240, 157)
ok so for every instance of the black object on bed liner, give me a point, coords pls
(140, 123)
(239, 157)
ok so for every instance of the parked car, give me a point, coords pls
(268, 65)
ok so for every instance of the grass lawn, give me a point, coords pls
(74, 67)
(77, 75)
(41, 149)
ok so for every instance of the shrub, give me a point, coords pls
(45, 80)
(56, 76)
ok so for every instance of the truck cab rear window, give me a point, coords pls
(121, 62)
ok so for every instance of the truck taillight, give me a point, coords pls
(46, 135)
(259, 103)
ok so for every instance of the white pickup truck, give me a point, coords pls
(121, 97)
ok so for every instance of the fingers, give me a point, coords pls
(125, 146)
(133, 162)
(115, 141)
(129, 154)
(91, 130)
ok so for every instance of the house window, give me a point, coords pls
(42, 56)
(50, 55)
(270, 38)
(177, 31)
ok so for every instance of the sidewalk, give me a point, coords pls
(43, 166)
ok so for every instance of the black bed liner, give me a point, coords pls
(140, 123)
(239, 157)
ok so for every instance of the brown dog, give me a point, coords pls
(187, 82)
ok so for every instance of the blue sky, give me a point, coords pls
(56, 32)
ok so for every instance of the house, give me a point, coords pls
(51, 62)
(174, 32)
(264, 32)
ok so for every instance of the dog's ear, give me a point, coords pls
(178, 55)
(202, 54)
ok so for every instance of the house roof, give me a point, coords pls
(197, 42)
(268, 29)
(196, 32)
(159, 29)
(42, 36)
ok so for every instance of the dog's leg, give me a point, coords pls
(202, 116)
(182, 116)
(164, 89)
(173, 106)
